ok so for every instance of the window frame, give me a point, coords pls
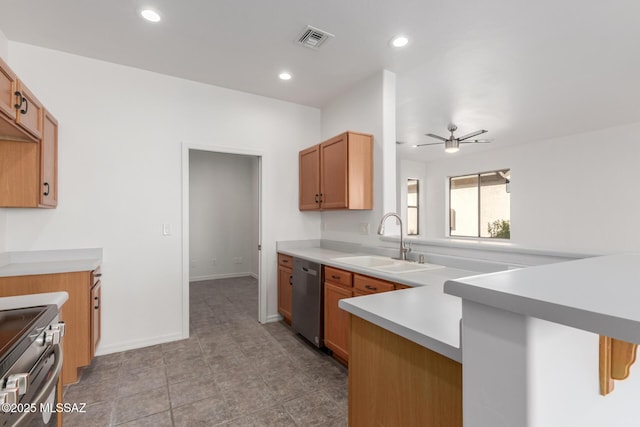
(416, 206)
(451, 212)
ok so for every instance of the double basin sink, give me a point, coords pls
(387, 265)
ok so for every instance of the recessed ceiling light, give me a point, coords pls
(150, 15)
(399, 41)
(285, 76)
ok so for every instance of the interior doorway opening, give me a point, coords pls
(221, 220)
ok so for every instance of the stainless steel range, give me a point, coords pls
(30, 366)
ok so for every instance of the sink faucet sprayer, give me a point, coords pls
(403, 250)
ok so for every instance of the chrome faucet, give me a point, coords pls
(403, 250)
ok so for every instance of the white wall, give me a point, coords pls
(121, 134)
(4, 54)
(368, 107)
(221, 217)
(575, 193)
(4, 47)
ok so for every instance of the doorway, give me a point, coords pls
(221, 219)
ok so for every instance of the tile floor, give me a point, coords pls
(233, 371)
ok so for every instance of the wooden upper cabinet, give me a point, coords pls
(309, 178)
(342, 175)
(49, 162)
(8, 82)
(28, 147)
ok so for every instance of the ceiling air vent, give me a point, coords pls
(313, 37)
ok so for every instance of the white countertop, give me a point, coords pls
(424, 314)
(49, 262)
(57, 298)
(599, 294)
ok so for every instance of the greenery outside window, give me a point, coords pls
(413, 209)
(480, 205)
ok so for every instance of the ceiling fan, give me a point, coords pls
(452, 144)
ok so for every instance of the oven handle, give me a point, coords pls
(24, 417)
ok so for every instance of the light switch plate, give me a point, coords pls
(166, 230)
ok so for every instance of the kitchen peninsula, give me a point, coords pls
(531, 343)
(526, 341)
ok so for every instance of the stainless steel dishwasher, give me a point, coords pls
(306, 311)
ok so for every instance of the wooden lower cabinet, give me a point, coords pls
(412, 385)
(336, 320)
(78, 313)
(285, 286)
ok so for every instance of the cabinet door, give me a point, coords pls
(96, 307)
(336, 320)
(49, 162)
(7, 88)
(19, 174)
(285, 283)
(309, 178)
(334, 169)
(29, 116)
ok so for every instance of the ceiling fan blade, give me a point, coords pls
(436, 136)
(430, 143)
(472, 134)
(476, 141)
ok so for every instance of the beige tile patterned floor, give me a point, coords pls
(233, 371)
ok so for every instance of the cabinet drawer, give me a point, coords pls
(285, 260)
(371, 285)
(339, 277)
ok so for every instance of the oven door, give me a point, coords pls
(42, 394)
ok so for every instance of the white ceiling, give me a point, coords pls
(524, 70)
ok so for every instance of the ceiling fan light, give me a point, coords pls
(451, 146)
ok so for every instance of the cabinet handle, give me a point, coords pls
(95, 307)
(291, 280)
(334, 277)
(285, 261)
(19, 98)
(97, 275)
(46, 193)
(320, 197)
(371, 288)
(317, 200)
(26, 106)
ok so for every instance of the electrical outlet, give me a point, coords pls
(166, 230)
(363, 227)
(237, 260)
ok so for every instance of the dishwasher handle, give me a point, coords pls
(309, 271)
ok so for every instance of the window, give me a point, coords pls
(480, 205)
(413, 210)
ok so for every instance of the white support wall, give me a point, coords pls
(525, 372)
(368, 107)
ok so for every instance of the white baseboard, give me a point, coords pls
(132, 345)
(221, 276)
(274, 318)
